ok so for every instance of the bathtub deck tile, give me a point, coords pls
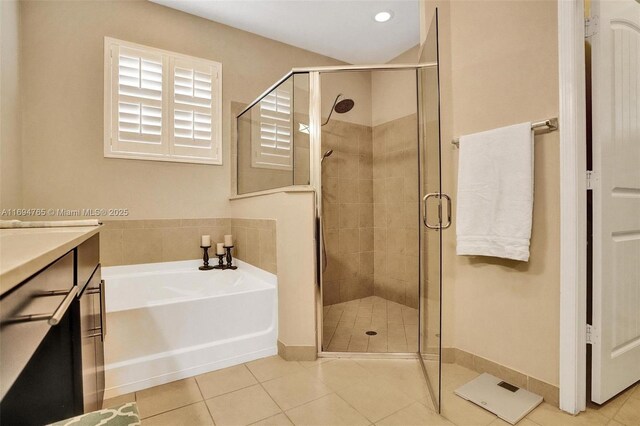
(167, 397)
(224, 381)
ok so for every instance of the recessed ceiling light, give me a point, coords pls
(383, 16)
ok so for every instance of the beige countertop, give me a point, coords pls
(25, 251)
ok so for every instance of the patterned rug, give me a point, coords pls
(123, 415)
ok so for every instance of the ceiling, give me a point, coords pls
(344, 30)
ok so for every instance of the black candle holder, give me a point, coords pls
(205, 259)
(229, 264)
(220, 264)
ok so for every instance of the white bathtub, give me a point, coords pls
(168, 321)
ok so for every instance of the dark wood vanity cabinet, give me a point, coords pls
(51, 372)
(37, 357)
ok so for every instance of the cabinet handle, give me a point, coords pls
(54, 318)
(62, 308)
(103, 310)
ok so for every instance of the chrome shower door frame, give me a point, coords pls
(316, 182)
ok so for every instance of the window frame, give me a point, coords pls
(168, 60)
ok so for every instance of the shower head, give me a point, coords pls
(326, 154)
(341, 107)
(344, 105)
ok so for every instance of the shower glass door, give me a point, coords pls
(434, 215)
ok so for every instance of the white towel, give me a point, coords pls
(495, 193)
(10, 224)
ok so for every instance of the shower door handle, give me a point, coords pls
(448, 199)
(425, 215)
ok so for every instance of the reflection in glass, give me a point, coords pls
(273, 138)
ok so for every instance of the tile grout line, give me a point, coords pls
(373, 375)
(267, 392)
(235, 390)
(407, 406)
(169, 411)
(334, 331)
(205, 401)
(613, 417)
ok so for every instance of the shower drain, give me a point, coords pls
(371, 333)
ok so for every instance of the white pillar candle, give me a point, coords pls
(219, 248)
(205, 241)
(228, 241)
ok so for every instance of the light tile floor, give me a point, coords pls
(330, 392)
(345, 326)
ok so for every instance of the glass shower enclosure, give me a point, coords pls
(367, 140)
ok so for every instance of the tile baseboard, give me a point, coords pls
(297, 353)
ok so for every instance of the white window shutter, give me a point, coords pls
(161, 105)
(272, 137)
(137, 102)
(195, 124)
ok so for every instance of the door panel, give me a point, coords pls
(616, 198)
(432, 220)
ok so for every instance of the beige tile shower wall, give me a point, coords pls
(255, 242)
(348, 211)
(395, 210)
(128, 242)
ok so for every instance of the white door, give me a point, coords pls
(616, 197)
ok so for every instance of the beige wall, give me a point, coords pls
(63, 139)
(393, 95)
(506, 312)
(10, 130)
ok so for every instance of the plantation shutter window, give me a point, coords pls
(193, 108)
(273, 131)
(161, 105)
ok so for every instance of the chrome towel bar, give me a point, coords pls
(550, 125)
